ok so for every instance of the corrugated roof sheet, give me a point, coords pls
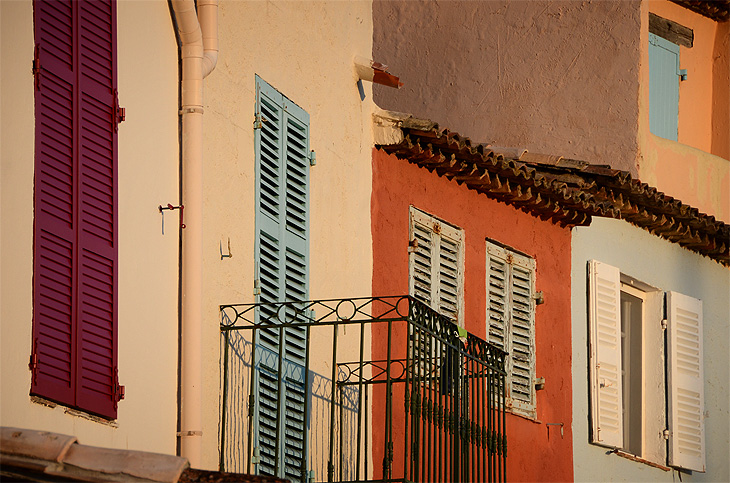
(566, 191)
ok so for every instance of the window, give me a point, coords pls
(665, 37)
(74, 346)
(436, 265)
(511, 321)
(624, 400)
(281, 141)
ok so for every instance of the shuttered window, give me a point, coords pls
(609, 306)
(74, 353)
(663, 87)
(282, 263)
(511, 322)
(436, 264)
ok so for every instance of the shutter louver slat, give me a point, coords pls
(448, 278)
(686, 382)
(605, 366)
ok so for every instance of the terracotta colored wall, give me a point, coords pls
(553, 77)
(531, 455)
(721, 92)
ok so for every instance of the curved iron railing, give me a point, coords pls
(404, 396)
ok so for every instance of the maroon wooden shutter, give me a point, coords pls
(75, 267)
(97, 209)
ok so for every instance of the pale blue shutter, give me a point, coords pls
(663, 87)
(282, 270)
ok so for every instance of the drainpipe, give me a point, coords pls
(199, 37)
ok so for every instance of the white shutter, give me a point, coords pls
(522, 334)
(450, 269)
(436, 265)
(685, 382)
(421, 258)
(497, 296)
(604, 315)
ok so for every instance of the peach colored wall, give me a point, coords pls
(687, 170)
(721, 92)
(531, 456)
(553, 77)
(697, 94)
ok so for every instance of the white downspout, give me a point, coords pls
(199, 38)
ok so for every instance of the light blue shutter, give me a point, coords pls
(663, 87)
(282, 264)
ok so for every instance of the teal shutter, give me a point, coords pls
(282, 265)
(663, 87)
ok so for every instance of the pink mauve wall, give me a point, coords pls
(553, 77)
(397, 184)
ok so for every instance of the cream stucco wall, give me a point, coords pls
(148, 177)
(666, 267)
(305, 50)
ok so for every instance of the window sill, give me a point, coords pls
(631, 457)
(73, 412)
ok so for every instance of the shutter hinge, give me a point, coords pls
(257, 287)
(412, 245)
(665, 434)
(33, 363)
(312, 158)
(258, 121)
(539, 298)
(664, 324)
(37, 67)
(118, 390)
(119, 112)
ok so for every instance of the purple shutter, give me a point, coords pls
(75, 324)
(97, 209)
(54, 230)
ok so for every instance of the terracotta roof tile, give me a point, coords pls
(567, 192)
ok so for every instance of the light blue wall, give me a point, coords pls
(666, 266)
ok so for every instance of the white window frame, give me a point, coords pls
(681, 317)
(439, 234)
(506, 325)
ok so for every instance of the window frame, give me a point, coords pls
(605, 283)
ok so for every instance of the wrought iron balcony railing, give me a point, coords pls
(363, 389)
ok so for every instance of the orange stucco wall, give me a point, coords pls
(532, 455)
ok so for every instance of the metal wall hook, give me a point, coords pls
(171, 207)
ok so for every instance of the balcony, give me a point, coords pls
(366, 389)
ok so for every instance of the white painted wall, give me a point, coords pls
(305, 50)
(148, 177)
(666, 266)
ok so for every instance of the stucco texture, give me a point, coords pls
(665, 267)
(532, 455)
(552, 77)
(147, 177)
(306, 51)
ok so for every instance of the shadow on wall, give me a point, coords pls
(235, 432)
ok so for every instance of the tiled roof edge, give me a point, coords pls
(565, 191)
